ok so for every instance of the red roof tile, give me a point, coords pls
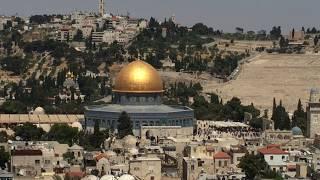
(273, 145)
(271, 150)
(221, 155)
(100, 156)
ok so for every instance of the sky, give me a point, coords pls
(219, 14)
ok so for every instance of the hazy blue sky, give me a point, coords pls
(220, 14)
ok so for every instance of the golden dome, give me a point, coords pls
(138, 77)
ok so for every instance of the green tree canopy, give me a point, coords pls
(300, 118)
(79, 36)
(14, 107)
(281, 118)
(124, 125)
(252, 165)
(63, 133)
(4, 158)
(29, 132)
(3, 136)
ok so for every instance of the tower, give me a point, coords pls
(101, 7)
(313, 113)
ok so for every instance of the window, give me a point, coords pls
(79, 154)
(136, 168)
(200, 163)
(220, 164)
(152, 178)
(225, 163)
(151, 123)
(47, 161)
(137, 124)
(37, 162)
(192, 167)
(283, 157)
(271, 157)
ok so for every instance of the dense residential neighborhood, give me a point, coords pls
(93, 95)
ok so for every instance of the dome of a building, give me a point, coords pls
(130, 141)
(77, 125)
(296, 131)
(138, 77)
(126, 177)
(107, 177)
(39, 110)
(133, 151)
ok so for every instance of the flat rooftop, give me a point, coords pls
(42, 118)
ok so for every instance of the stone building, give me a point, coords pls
(77, 152)
(32, 162)
(275, 157)
(146, 168)
(313, 113)
(222, 163)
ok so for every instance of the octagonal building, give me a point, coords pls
(138, 90)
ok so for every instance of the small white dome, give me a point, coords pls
(39, 110)
(45, 127)
(130, 141)
(126, 177)
(77, 125)
(133, 151)
(107, 177)
(90, 177)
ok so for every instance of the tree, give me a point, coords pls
(316, 40)
(3, 136)
(4, 158)
(14, 107)
(79, 36)
(292, 33)
(275, 33)
(62, 133)
(299, 118)
(253, 165)
(274, 106)
(29, 132)
(68, 156)
(281, 118)
(17, 65)
(124, 125)
(283, 42)
(214, 98)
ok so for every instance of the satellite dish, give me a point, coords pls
(18, 138)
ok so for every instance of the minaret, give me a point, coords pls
(101, 8)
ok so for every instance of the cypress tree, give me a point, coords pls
(124, 125)
(274, 106)
(300, 118)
